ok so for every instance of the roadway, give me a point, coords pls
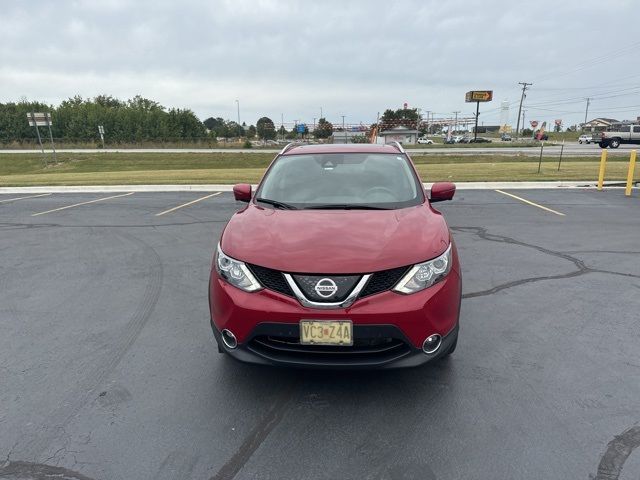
(570, 149)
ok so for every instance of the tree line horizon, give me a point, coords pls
(141, 120)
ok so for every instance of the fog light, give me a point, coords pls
(432, 344)
(229, 339)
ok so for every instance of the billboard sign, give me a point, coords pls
(39, 119)
(479, 96)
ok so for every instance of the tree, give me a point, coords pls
(214, 123)
(252, 131)
(265, 128)
(324, 129)
(77, 119)
(233, 129)
(407, 117)
(359, 139)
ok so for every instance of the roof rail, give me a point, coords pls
(288, 146)
(397, 145)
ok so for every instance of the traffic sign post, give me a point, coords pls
(478, 96)
(101, 132)
(33, 123)
(42, 120)
(53, 147)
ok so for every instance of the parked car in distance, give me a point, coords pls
(454, 139)
(478, 140)
(425, 141)
(585, 139)
(620, 133)
(505, 137)
(338, 260)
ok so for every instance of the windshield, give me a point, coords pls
(341, 180)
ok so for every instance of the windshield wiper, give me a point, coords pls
(277, 204)
(344, 206)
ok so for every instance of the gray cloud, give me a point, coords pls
(351, 58)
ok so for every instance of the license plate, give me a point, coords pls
(326, 332)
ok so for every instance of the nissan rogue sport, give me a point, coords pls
(337, 260)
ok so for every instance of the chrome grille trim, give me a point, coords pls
(347, 302)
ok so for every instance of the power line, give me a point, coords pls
(592, 62)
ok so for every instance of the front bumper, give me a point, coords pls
(388, 328)
(262, 350)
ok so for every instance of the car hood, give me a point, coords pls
(335, 241)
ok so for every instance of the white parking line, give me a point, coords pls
(187, 204)
(24, 198)
(529, 202)
(82, 203)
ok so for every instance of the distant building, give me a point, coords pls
(598, 124)
(487, 128)
(400, 134)
(346, 137)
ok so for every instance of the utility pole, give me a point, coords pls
(344, 132)
(282, 125)
(238, 102)
(455, 128)
(523, 112)
(428, 113)
(524, 89)
(586, 112)
(321, 113)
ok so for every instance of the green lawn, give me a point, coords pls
(234, 167)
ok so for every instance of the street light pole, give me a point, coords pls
(455, 128)
(238, 103)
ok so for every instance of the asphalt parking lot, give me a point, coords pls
(108, 371)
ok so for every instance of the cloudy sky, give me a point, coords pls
(352, 58)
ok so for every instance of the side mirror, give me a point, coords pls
(442, 191)
(242, 192)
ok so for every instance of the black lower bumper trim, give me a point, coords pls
(375, 346)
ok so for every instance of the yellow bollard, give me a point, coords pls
(632, 166)
(603, 163)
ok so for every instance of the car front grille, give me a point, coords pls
(383, 280)
(379, 282)
(271, 279)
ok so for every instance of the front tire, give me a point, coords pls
(580, 142)
(603, 144)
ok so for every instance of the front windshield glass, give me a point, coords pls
(342, 180)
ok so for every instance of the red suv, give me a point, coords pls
(338, 260)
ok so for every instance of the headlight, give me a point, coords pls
(423, 275)
(235, 272)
